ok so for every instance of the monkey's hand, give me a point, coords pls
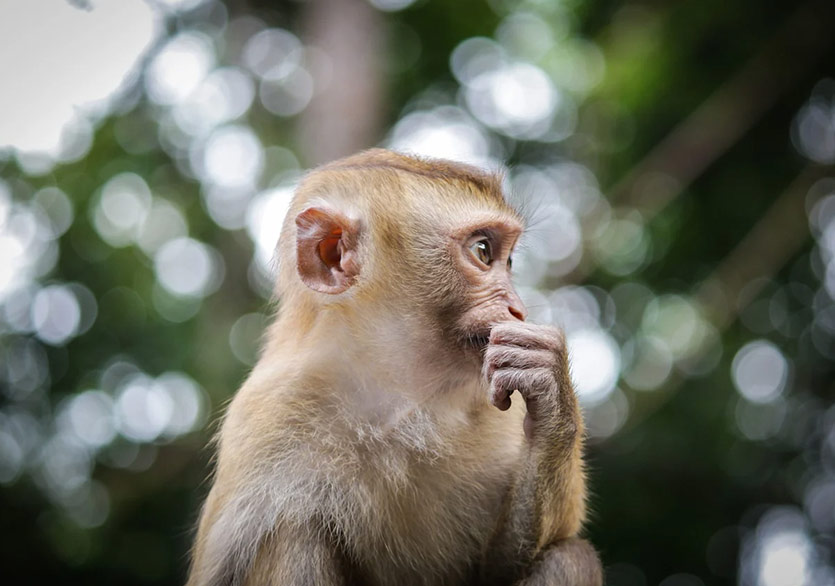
(532, 360)
(537, 540)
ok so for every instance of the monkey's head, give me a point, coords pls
(417, 250)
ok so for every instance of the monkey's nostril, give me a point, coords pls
(519, 314)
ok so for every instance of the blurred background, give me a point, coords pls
(678, 157)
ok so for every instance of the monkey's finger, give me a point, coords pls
(496, 357)
(500, 398)
(525, 335)
(532, 383)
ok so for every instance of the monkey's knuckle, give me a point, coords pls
(516, 379)
(523, 358)
(498, 394)
(537, 386)
(545, 377)
(543, 359)
(501, 379)
(497, 353)
(555, 364)
(491, 350)
(543, 381)
(559, 351)
(555, 339)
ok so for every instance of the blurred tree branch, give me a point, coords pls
(774, 240)
(344, 115)
(721, 120)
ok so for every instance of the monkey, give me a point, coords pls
(376, 440)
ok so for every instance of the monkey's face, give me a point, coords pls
(481, 255)
(424, 263)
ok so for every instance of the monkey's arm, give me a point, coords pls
(296, 557)
(536, 540)
(285, 555)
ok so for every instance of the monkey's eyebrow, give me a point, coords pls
(500, 239)
(497, 228)
(489, 233)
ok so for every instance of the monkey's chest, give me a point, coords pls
(417, 506)
(432, 518)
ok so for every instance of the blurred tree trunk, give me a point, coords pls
(344, 115)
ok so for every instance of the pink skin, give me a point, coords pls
(522, 357)
(527, 358)
(490, 285)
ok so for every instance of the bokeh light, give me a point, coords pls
(179, 67)
(273, 54)
(223, 95)
(55, 314)
(760, 371)
(444, 131)
(595, 364)
(813, 130)
(188, 268)
(264, 221)
(232, 158)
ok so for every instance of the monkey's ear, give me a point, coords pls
(326, 249)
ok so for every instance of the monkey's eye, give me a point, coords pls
(482, 251)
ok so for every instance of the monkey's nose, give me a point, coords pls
(516, 307)
(517, 313)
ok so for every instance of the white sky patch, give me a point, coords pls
(61, 63)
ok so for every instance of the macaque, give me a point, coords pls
(377, 440)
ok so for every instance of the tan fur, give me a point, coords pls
(361, 449)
